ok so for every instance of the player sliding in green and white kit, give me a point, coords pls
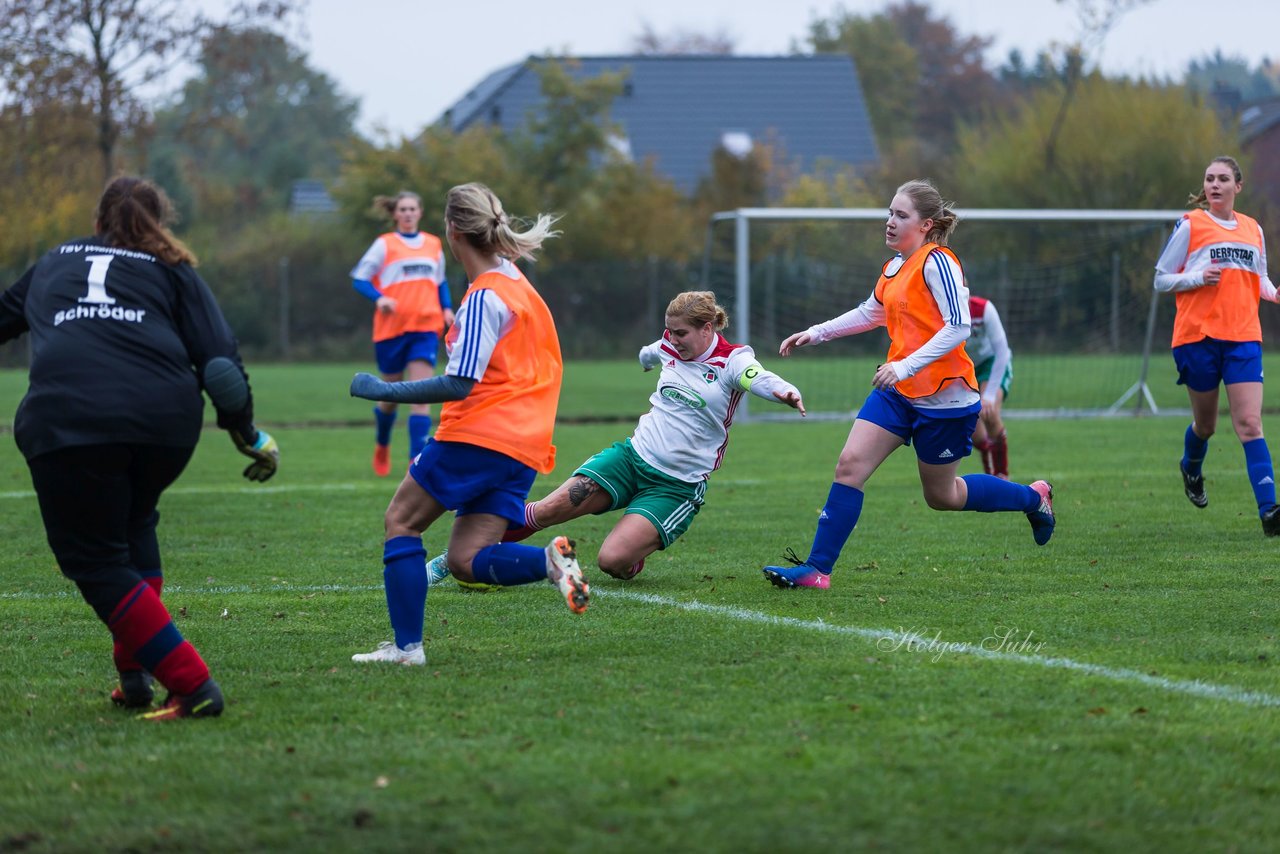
(658, 476)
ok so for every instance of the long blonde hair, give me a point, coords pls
(930, 205)
(476, 213)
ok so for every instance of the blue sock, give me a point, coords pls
(1257, 460)
(509, 564)
(1193, 451)
(419, 429)
(989, 494)
(835, 524)
(405, 578)
(384, 421)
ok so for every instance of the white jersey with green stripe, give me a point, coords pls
(686, 430)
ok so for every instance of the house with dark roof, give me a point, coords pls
(678, 110)
(1260, 136)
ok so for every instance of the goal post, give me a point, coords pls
(1073, 288)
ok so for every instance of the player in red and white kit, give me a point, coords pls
(988, 347)
(658, 477)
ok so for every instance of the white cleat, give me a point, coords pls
(438, 569)
(563, 571)
(387, 652)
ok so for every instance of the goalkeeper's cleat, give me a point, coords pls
(204, 702)
(563, 571)
(134, 690)
(1193, 485)
(1042, 519)
(382, 460)
(438, 569)
(388, 653)
(1271, 522)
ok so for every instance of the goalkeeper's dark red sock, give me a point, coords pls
(1000, 455)
(983, 448)
(141, 624)
(525, 531)
(124, 661)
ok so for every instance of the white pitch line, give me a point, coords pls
(1189, 687)
(1194, 688)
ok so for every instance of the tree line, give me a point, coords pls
(253, 116)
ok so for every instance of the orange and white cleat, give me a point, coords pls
(563, 571)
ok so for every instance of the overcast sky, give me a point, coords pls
(409, 60)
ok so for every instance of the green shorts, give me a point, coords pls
(668, 503)
(984, 373)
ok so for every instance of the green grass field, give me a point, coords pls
(958, 688)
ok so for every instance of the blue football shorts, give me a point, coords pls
(1209, 361)
(939, 436)
(470, 479)
(395, 353)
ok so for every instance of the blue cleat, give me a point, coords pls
(1042, 519)
(800, 575)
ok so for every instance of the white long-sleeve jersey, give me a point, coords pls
(686, 430)
(987, 340)
(1176, 271)
(941, 276)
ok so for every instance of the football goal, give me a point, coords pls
(1072, 287)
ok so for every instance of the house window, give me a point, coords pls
(495, 114)
(620, 144)
(737, 143)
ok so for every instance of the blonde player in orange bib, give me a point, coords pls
(1215, 264)
(925, 393)
(403, 275)
(499, 395)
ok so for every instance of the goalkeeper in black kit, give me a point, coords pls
(124, 337)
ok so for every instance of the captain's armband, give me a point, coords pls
(749, 376)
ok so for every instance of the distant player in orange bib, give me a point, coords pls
(499, 393)
(403, 275)
(925, 393)
(1215, 264)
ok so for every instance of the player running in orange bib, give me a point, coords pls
(499, 393)
(1215, 264)
(924, 394)
(403, 275)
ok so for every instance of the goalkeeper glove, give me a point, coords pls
(264, 452)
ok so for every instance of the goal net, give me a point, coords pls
(1073, 289)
